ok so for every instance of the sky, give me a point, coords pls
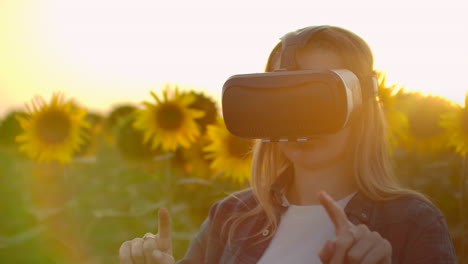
(108, 52)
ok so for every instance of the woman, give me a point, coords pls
(333, 199)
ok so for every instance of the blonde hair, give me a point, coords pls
(372, 164)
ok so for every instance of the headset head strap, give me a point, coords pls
(294, 40)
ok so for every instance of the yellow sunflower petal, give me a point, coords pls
(456, 128)
(228, 155)
(155, 98)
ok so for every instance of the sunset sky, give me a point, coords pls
(106, 52)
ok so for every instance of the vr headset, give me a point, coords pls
(290, 104)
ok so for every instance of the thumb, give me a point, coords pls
(326, 252)
(160, 257)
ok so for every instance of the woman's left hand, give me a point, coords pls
(353, 243)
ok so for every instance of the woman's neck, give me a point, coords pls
(337, 180)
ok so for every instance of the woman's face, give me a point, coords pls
(324, 150)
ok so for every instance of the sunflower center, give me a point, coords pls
(169, 116)
(53, 127)
(238, 147)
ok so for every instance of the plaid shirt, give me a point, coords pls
(417, 230)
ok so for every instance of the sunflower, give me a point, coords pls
(114, 120)
(52, 131)
(207, 105)
(229, 153)
(397, 121)
(424, 115)
(129, 141)
(93, 131)
(193, 160)
(118, 113)
(456, 126)
(10, 128)
(170, 122)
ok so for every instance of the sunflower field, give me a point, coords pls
(76, 184)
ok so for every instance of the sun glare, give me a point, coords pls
(105, 38)
(103, 51)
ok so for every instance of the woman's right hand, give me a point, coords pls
(151, 249)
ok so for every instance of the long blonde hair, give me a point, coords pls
(372, 164)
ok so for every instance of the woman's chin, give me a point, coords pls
(310, 155)
(304, 154)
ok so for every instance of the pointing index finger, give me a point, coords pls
(164, 230)
(335, 212)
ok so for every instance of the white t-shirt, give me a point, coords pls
(302, 232)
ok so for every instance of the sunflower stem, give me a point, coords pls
(168, 175)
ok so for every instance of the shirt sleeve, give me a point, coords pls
(196, 250)
(203, 246)
(209, 244)
(432, 245)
